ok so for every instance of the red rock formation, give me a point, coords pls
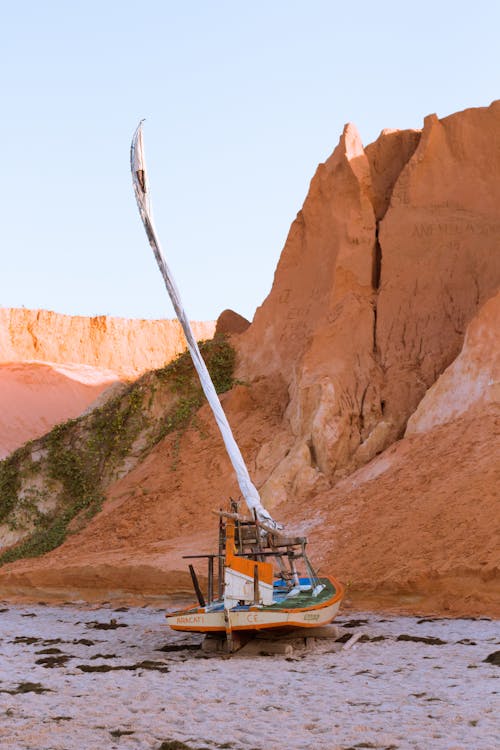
(390, 258)
(316, 326)
(231, 322)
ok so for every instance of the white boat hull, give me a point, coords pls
(199, 620)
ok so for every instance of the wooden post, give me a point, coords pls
(199, 595)
(229, 630)
(256, 594)
(222, 543)
(239, 545)
(210, 593)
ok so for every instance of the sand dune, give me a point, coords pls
(35, 396)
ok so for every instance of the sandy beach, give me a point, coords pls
(79, 678)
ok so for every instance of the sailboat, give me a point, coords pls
(260, 577)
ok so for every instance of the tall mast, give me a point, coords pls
(142, 194)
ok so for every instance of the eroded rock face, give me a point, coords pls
(391, 256)
(472, 382)
(316, 327)
(440, 261)
(128, 347)
(415, 528)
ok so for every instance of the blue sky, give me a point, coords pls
(242, 100)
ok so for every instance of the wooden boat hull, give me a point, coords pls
(199, 620)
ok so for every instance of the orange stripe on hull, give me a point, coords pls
(263, 626)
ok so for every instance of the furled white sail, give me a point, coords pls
(141, 188)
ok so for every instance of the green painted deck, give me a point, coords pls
(304, 600)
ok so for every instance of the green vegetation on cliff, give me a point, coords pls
(60, 479)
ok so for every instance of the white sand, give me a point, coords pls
(378, 694)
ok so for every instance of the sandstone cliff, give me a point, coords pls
(53, 366)
(471, 384)
(127, 347)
